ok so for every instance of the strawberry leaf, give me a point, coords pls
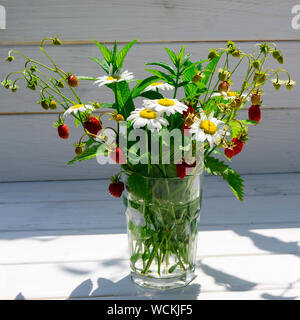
(219, 168)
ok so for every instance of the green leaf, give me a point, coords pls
(172, 269)
(219, 168)
(162, 75)
(138, 185)
(143, 85)
(108, 105)
(123, 52)
(180, 54)
(249, 122)
(152, 95)
(124, 98)
(87, 154)
(209, 69)
(107, 54)
(90, 142)
(172, 55)
(77, 121)
(115, 50)
(102, 63)
(163, 65)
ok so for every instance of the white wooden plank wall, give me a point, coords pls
(30, 149)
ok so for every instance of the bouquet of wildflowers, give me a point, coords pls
(199, 98)
(181, 119)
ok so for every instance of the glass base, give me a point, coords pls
(163, 283)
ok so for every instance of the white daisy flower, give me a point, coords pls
(168, 106)
(78, 107)
(208, 129)
(116, 77)
(230, 95)
(159, 85)
(142, 117)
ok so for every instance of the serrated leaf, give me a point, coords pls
(89, 153)
(123, 52)
(124, 98)
(102, 63)
(162, 75)
(107, 54)
(137, 185)
(219, 168)
(163, 65)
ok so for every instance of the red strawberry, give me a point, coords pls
(93, 125)
(254, 113)
(190, 109)
(181, 172)
(238, 145)
(63, 131)
(116, 189)
(236, 149)
(73, 81)
(229, 153)
(186, 130)
(118, 156)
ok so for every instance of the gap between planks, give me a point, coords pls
(86, 42)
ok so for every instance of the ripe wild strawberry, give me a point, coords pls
(254, 113)
(63, 131)
(73, 81)
(118, 156)
(223, 86)
(116, 189)
(181, 172)
(229, 153)
(190, 109)
(93, 125)
(238, 145)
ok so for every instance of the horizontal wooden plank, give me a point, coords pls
(69, 212)
(31, 20)
(76, 58)
(33, 150)
(66, 191)
(241, 241)
(109, 278)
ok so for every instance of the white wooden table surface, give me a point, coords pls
(67, 239)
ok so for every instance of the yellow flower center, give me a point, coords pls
(77, 106)
(148, 114)
(114, 78)
(166, 102)
(231, 93)
(156, 84)
(208, 127)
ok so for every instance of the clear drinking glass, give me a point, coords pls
(162, 220)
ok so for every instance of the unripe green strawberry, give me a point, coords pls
(10, 58)
(60, 84)
(276, 54)
(53, 105)
(212, 54)
(256, 64)
(280, 59)
(45, 104)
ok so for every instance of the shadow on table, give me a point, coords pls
(270, 244)
(126, 289)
